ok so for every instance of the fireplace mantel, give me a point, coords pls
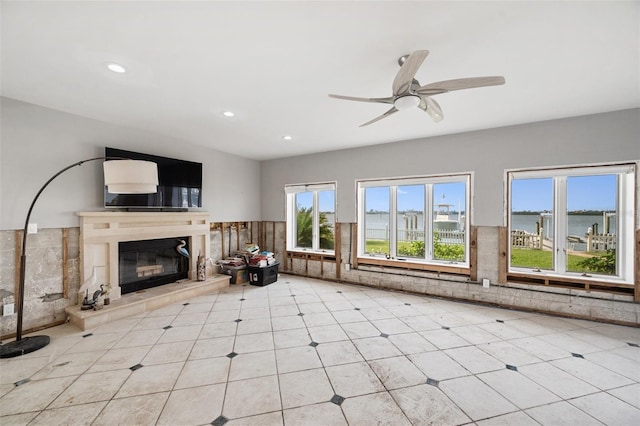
(100, 233)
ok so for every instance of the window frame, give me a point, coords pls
(626, 212)
(428, 262)
(291, 223)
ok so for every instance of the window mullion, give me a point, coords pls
(315, 237)
(561, 220)
(393, 220)
(428, 222)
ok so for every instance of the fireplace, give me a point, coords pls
(151, 263)
(104, 234)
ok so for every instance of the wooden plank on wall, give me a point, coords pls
(354, 241)
(65, 263)
(336, 248)
(16, 288)
(473, 253)
(637, 268)
(503, 264)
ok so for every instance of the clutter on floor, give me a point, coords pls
(251, 265)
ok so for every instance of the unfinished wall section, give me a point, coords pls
(576, 303)
(52, 277)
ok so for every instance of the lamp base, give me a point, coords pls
(24, 346)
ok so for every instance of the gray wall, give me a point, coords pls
(581, 140)
(36, 142)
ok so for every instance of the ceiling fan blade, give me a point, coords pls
(459, 84)
(431, 107)
(404, 78)
(352, 98)
(380, 117)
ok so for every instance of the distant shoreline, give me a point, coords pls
(573, 213)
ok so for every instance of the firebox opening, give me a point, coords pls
(151, 263)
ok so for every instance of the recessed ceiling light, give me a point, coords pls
(116, 68)
(228, 114)
(287, 138)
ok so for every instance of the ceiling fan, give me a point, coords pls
(408, 93)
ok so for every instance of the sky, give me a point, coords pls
(411, 197)
(583, 193)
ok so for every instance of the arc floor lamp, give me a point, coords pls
(121, 176)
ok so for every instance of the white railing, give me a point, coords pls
(524, 239)
(601, 242)
(446, 237)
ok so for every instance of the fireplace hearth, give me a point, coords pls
(151, 263)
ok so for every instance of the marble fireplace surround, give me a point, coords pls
(100, 233)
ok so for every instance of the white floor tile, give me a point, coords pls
(411, 343)
(296, 359)
(315, 415)
(444, 339)
(629, 394)
(202, 372)
(428, 405)
(304, 387)
(33, 396)
(358, 330)
(475, 398)
(137, 410)
(608, 409)
(592, 373)
(251, 397)
(438, 366)
(361, 410)
(150, 379)
(557, 381)
(518, 389)
(518, 418)
(336, 353)
(92, 388)
(353, 379)
(474, 360)
(397, 372)
(254, 364)
(75, 415)
(193, 406)
(561, 414)
(376, 347)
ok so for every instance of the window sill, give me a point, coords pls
(458, 269)
(596, 283)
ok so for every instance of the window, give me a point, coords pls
(423, 220)
(311, 212)
(572, 222)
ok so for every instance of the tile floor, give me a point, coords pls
(307, 352)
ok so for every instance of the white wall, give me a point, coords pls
(37, 142)
(599, 138)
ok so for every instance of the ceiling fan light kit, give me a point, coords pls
(407, 92)
(406, 102)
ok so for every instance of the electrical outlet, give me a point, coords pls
(347, 266)
(485, 282)
(32, 228)
(8, 309)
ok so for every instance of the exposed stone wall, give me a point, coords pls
(44, 301)
(44, 304)
(564, 301)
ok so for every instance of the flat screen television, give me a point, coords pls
(179, 184)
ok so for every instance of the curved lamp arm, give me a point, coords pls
(24, 236)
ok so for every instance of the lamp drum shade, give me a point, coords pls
(130, 176)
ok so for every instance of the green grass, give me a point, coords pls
(542, 259)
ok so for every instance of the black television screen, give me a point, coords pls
(179, 184)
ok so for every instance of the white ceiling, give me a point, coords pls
(273, 64)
